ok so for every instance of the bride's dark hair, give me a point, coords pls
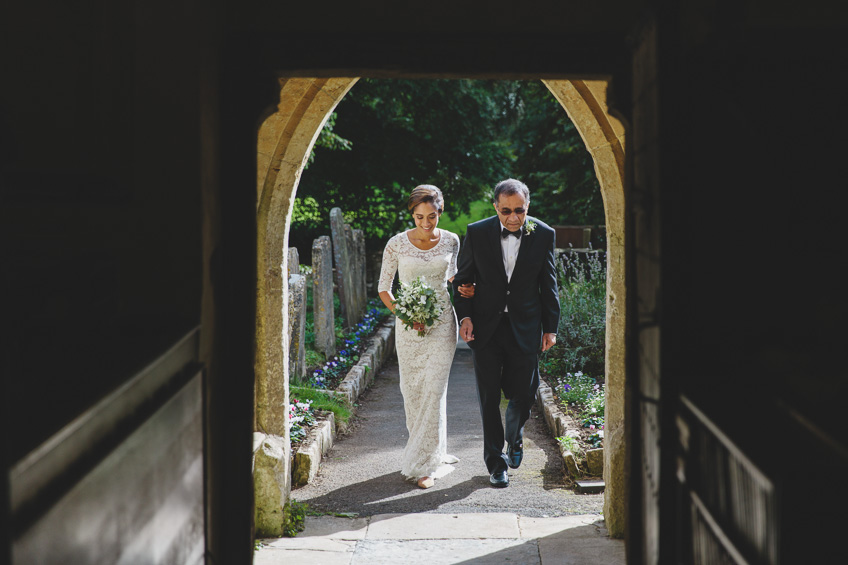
(426, 193)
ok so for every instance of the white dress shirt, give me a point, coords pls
(509, 251)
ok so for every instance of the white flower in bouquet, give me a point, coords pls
(417, 303)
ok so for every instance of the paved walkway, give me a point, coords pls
(369, 513)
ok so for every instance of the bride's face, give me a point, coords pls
(426, 217)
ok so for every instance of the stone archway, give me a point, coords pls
(585, 102)
(284, 142)
(285, 139)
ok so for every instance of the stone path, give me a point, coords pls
(436, 539)
(396, 521)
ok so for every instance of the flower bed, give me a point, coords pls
(301, 417)
(333, 371)
(323, 378)
(574, 367)
(582, 401)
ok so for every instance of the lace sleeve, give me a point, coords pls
(454, 251)
(390, 263)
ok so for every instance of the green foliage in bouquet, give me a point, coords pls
(416, 303)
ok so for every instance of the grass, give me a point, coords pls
(479, 210)
(572, 445)
(322, 400)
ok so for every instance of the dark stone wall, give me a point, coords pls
(102, 115)
(751, 308)
(101, 202)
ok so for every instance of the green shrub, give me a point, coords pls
(295, 516)
(581, 334)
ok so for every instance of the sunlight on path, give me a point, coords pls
(446, 538)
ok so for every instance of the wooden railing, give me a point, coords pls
(733, 505)
(123, 482)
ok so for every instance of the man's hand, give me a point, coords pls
(548, 341)
(466, 330)
(466, 290)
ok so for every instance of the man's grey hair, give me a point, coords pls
(509, 187)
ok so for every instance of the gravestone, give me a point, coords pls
(359, 272)
(373, 265)
(322, 296)
(351, 266)
(297, 328)
(294, 261)
(342, 251)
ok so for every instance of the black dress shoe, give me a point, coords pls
(499, 479)
(514, 455)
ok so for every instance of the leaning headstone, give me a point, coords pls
(294, 261)
(359, 272)
(322, 296)
(341, 255)
(297, 327)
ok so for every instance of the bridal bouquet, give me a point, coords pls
(416, 302)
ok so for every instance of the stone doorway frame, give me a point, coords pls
(285, 139)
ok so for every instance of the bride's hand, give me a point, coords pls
(467, 290)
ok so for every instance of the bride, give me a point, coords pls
(424, 361)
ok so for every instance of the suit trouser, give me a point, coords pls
(502, 365)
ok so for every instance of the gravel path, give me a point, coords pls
(361, 473)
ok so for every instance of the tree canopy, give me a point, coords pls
(388, 136)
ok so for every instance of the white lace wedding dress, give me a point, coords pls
(424, 362)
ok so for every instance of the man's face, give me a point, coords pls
(508, 208)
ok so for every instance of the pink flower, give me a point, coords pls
(592, 427)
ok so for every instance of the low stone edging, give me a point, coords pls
(558, 425)
(320, 439)
(370, 361)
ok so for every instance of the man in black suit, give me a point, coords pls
(514, 311)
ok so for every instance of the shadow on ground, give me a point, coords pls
(381, 495)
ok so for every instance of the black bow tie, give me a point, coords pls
(505, 232)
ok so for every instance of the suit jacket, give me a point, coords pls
(531, 294)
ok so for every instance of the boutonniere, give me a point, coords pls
(529, 227)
